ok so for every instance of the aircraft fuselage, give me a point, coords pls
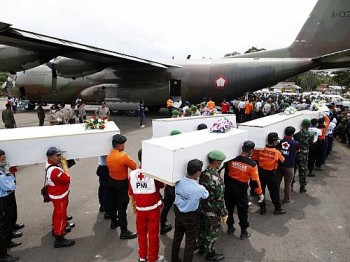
(222, 78)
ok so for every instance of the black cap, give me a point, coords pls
(119, 139)
(54, 151)
(271, 137)
(248, 145)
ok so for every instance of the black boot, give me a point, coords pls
(126, 234)
(213, 256)
(279, 211)
(8, 258)
(165, 229)
(70, 225)
(114, 224)
(63, 242)
(18, 226)
(302, 189)
(262, 210)
(244, 235)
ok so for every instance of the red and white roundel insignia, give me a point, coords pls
(220, 82)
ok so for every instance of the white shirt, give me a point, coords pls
(316, 132)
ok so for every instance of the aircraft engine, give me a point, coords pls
(15, 59)
(98, 93)
(72, 68)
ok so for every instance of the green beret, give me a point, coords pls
(188, 110)
(194, 108)
(175, 132)
(217, 155)
(306, 122)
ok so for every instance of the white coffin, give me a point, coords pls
(166, 158)
(258, 129)
(311, 114)
(163, 127)
(28, 145)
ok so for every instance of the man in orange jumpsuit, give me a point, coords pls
(118, 163)
(268, 163)
(238, 172)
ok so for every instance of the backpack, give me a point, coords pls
(44, 191)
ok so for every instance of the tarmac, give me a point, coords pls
(315, 228)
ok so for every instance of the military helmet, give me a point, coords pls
(217, 155)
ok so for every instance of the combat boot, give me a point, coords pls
(302, 189)
(213, 256)
(244, 235)
(126, 234)
(8, 258)
(279, 211)
(262, 210)
(63, 242)
(165, 229)
(230, 230)
(311, 174)
(114, 224)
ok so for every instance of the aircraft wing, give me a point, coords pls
(51, 47)
(334, 60)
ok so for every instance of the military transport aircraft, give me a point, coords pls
(71, 69)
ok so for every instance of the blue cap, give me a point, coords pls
(54, 151)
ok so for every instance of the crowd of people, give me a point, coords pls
(203, 200)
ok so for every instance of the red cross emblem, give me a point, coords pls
(140, 176)
(285, 145)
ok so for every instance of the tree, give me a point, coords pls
(309, 80)
(3, 78)
(232, 54)
(254, 49)
(342, 78)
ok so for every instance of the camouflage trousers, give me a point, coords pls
(301, 164)
(209, 229)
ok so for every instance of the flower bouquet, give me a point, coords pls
(95, 123)
(290, 110)
(223, 125)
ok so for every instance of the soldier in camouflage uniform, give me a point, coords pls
(213, 209)
(305, 139)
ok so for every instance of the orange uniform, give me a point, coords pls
(118, 164)
(324, 130)
(244, 169)
(269, 157)
(248, 108)
(256, 155)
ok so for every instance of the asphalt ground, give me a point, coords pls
(315, 228)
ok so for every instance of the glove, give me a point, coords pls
(224, 219)
(261, 198)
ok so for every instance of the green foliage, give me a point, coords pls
(254, 49)
(309, 80)
(232, 54)
(342, 78)
(3, 78)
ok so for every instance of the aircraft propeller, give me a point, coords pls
(54, 76)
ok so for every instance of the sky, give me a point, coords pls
(161, 29)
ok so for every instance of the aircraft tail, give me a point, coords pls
(326, 31)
